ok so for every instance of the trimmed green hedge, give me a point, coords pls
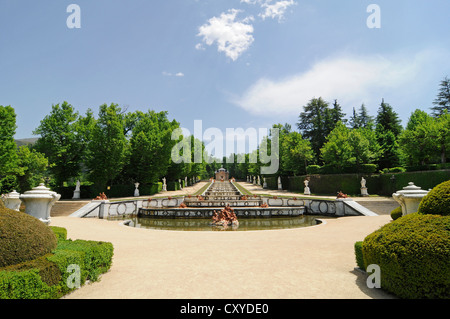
(46, 277)
(437, 201)
(60, 232)
(397, 213)
(92, 191)
(359, 255)
(377, 184)
(413, 253)
(23, 237)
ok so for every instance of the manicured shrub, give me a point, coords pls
(47, 277)
(397, 213)
(97, 255)
(437, 201)
(25, 284)
(23, 238)
(413, 253)
(60, 232)
(359, 255)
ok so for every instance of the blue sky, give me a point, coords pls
(232, 64)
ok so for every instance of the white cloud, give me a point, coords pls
(276, 10)
(232, 36)
(352, 80)
(179, 74)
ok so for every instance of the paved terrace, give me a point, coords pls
(314, 262)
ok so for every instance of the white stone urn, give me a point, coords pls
(409, 198)
(12, 200)
(39, 202)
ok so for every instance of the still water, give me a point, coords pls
(245, 224)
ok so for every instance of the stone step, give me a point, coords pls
(66, 208)
(383, 207)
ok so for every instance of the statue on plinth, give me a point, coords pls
(164, 187)
(363, 187)
(136, 191)
(307, 190)
(76, 193)
(280, 186)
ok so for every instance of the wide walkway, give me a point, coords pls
(315, 262)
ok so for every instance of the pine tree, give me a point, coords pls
(354, 120)
(337, 114)
(388, 129)
(313, 123)
(387, 119)
(442, 102)
(365, 120)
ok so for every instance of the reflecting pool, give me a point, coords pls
(245, 224)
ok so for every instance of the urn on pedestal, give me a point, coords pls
(12, 200)
(39, 202)
(409, 198)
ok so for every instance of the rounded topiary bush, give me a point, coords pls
(397, 213)
(413, 253)
(437, 201)
(23, 238)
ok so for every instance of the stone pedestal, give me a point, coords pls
(39, 202)
(409, 198)
(307, 191)
(136, 191)
(12, 200)
(364, 192)
(76, 193)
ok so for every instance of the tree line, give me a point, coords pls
(115, 147)
(120, 147)
(329, 142)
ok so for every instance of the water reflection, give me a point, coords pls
(245, 224)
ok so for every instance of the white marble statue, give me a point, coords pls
(136, 191)
(307, 190)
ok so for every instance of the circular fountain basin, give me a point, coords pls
(204, 224)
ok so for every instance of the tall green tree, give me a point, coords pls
(61, 142)
(295, 152)
(312, 124)
(8, 156)
(151, 146)
(388, 120)
(426, 139)
(442, 101)
(337, 115)
(337, 151)
(361, 118)
(388, 128)
(32, 167)
(108, 147)
(350, 147)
